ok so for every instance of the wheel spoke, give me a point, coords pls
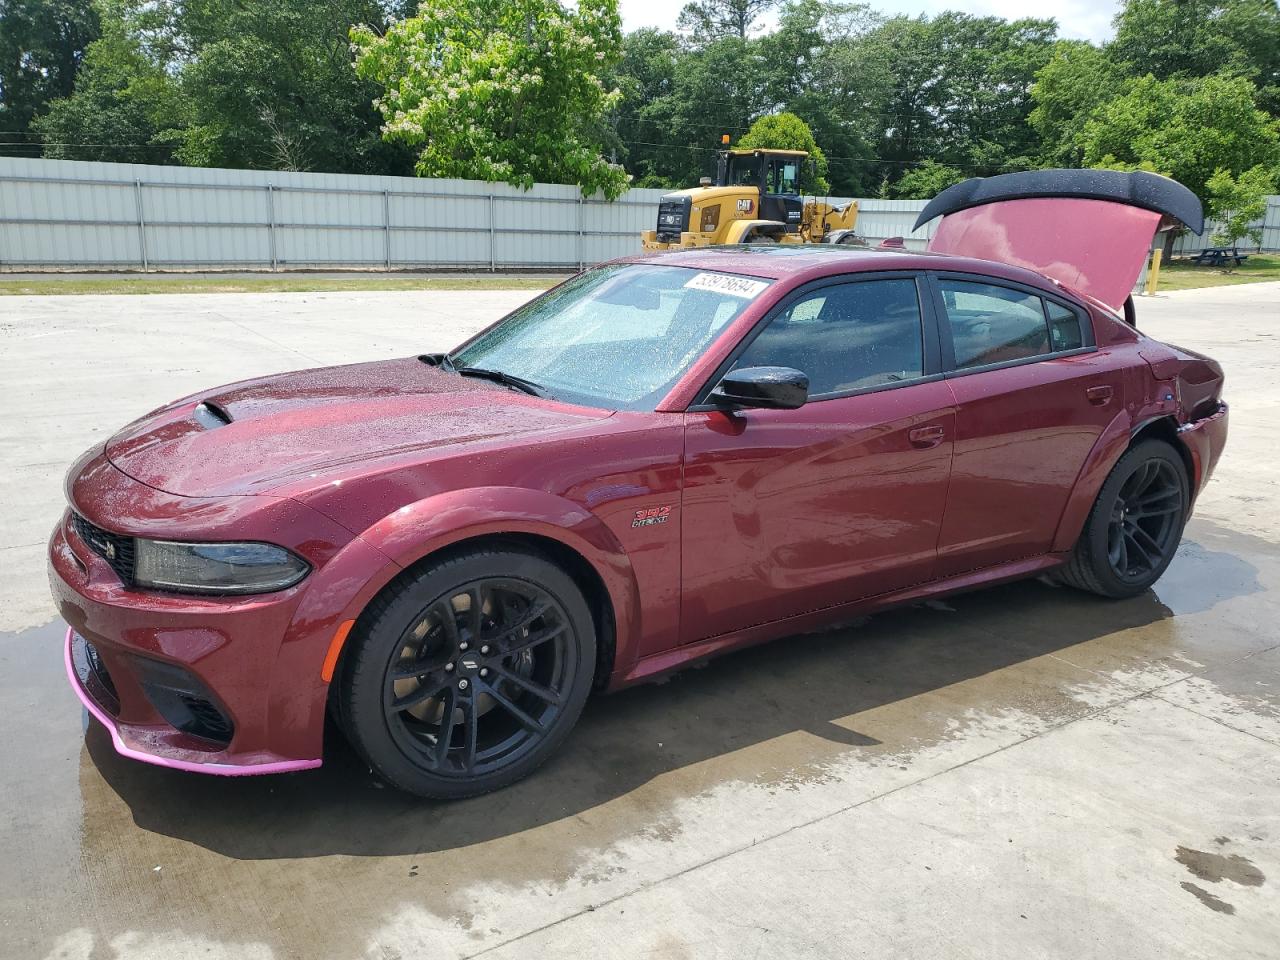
(449, 620)
(1138, 548)
(537, 689)
(501, 699)
(471, 734)
(536, 639)
(476, 613)
(445, 737)
(1150, 547)
(529, 617)
(414, 668)
(422, 693)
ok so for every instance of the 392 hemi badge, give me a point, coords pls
(650, 515)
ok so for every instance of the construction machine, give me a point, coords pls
(755, 198)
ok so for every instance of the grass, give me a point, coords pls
(295, 283)
(1184, 275)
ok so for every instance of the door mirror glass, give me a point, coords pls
(774, 388)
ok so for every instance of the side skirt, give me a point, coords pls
(668, 660)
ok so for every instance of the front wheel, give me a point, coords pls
(467, 676)
(1135, 526)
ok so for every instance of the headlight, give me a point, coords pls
(216, 567)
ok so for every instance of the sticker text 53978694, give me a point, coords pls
(744, 287)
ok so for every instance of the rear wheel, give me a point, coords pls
(469, 675)
(1135, 525)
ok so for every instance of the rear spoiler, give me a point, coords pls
(1149, 191)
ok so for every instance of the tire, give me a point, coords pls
(444, 704)
(1135, 525)
(759, 238)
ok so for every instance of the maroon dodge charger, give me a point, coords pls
(663, 458)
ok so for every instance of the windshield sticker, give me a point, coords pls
(723, 283)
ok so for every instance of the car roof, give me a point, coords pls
(803, 262)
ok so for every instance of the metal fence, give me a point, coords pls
(73, 215)
(1190, 243)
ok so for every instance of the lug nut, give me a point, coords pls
(462, 645)
(484, 649)
(484, 672)
(448, 668)
(462, 684)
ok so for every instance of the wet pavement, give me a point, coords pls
(1020, 772)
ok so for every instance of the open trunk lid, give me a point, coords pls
(1088, 229)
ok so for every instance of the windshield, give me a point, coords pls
(618, 336)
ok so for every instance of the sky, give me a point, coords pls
(1082, 19)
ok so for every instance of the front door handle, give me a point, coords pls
(1098, 395)
(925, 437)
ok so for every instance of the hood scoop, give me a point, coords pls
(210, 415)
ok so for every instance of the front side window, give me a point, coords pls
(846, 336)
(991, 324)
(618, 337)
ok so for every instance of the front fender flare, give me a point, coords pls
(419, 529)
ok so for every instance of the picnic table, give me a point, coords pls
(1218, 256)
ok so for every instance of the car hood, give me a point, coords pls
(253, 436)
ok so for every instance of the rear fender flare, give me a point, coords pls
(1107, 450)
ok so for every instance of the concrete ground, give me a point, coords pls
(1019, 773)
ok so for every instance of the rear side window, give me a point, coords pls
(846, 336)
(1064, 327)
(994, 324)
(991, 324)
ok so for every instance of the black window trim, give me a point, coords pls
(951, 371)
(931, 342)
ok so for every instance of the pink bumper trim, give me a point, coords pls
(219, 769)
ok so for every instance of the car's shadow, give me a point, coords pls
(623, 741)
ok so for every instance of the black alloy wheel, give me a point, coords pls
(470, 674)
(1135, 525)
(1146, 520)
(480, 677)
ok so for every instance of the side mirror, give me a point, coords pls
(773, 388)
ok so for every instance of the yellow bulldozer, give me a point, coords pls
(755, 198)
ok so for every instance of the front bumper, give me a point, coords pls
(159, 744)
(222, 649)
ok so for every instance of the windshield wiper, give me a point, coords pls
(506, 379)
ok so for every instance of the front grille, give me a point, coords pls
(114, 548)
(673, 218)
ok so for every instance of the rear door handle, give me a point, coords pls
(1099, 395)
(929, 436)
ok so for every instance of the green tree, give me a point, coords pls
(1198, 38)
(500, 89)
(712, 19)
(270, 85)
(124, 104)
(786, 131)
(925, 181)
(1077, 80)
(1238, 202)
(961, 89)
(42, 43)
(817, 66)
(1185, 129)
(645, 76)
